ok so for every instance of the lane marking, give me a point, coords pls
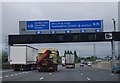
(29, 71)
(41, 78)
(6, 71)
(81, 73)
(20, 73)
(23, 72)
(6, 76)
(50, 73)
(11, 75)
(112, 74)
(26, 72)
(88, 78)
(16, 74)
(1, 77)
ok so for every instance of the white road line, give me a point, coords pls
(50, 73)
(88, 78)
(29, 71)
(6, 71)
(41, 78)
(1, 77)
(6, 76)
(112, 74)
(20, 73)
(26, 72)
(23, 72)
(81, 73)
(11, 75)
(16, 74)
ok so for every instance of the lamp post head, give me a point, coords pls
(114, 24)
(113, 19)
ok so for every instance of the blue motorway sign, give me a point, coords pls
(76, 24)
(37, 25)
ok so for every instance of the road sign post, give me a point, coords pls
(113, 44)
(113, 52)
(109, 36)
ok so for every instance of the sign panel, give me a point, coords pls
(56, 27)
(64, 38)
(108, 36)
(76, 24)
(37, 25)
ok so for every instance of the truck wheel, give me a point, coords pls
(16, 69)
(56, 68)
(67, 67)
(28, 68)
(39, 70)
(74, 66)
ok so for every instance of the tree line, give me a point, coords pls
(4, 57)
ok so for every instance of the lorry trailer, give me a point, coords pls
(69, 61)
(22, 57)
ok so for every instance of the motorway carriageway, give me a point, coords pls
(63, 74)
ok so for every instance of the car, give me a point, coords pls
(70, 66)
(81, 65)
(115, 69)
(89, 65)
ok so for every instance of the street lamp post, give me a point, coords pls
(114, 23)
(113, 43)
(94, 52)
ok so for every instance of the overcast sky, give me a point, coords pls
(0, 26)
(60, 0)
(12, 13)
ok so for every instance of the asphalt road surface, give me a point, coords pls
(63, 74)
